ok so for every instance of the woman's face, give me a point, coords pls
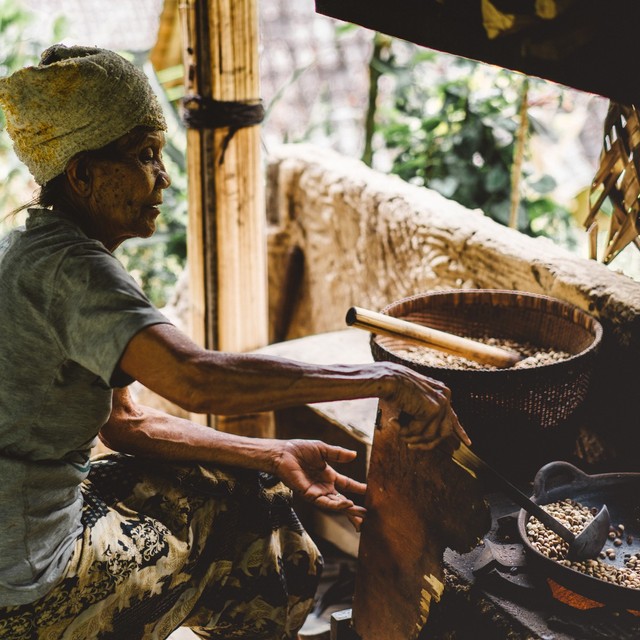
(127, 189)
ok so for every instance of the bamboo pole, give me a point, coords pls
(227, 226)
(239, 199)
(518, 159)
(195, 190)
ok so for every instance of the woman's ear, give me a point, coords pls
(78, 173)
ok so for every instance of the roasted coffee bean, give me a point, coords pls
(575, 516)
(533, 356)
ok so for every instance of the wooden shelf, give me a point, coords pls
(590, 46)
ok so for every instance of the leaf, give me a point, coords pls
(446, 186)
(344, 28)
(496, 179)
(430, 124)
(499, 211)
(545, 184)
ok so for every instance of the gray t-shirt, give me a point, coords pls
(68, 309)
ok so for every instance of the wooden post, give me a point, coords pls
(227, 227)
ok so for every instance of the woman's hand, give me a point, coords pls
(424, 410)
(304, 466)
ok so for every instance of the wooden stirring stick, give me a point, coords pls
(441, 340)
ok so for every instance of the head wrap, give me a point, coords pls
(77, 99)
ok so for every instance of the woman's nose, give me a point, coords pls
(163, 180)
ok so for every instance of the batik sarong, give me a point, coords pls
(164, 546)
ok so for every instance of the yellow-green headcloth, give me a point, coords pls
(76, 99)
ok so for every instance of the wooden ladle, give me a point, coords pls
(383, 324)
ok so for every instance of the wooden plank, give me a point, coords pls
(195, 241)
(586, 47)
(419, 503)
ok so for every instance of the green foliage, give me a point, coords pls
(15, 52)
(156, 262)
(451, 126)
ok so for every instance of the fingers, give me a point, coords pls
(334, 495)
(428, 441)
(356, 521)
(331, 497)
(462, 434)
(423, 431)
(428, 431)
(338, 502)
(454, 426)
(415, 425)
(344, 483)
(333, 453)
(421, 425)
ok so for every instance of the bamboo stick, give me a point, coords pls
(427, 337)
(195, 192)
(592, 233)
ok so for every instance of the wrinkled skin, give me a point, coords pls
(113, 197)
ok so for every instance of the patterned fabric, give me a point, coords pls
(220, 551)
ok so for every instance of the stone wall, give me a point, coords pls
(343, 235)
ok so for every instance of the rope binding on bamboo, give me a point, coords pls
(200, 112)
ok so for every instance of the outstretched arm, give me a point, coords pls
(305, 466)
(204, 381)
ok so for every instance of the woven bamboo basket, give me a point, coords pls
(503, 408)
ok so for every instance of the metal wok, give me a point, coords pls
(621, 493)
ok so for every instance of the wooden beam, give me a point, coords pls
(589, 46)
(239, 199)
(227, 226)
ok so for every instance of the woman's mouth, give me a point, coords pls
(153, 210)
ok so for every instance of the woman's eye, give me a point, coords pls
(148, 155)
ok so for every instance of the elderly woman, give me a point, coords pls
(183, 525)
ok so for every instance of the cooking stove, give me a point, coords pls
(498, 580)
(494, 593)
